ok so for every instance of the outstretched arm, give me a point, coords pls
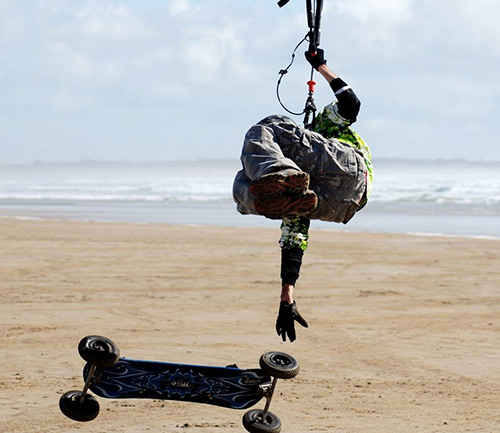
(293, 242)
(348, 103)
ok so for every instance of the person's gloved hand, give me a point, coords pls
(317, 59)
(285, 324)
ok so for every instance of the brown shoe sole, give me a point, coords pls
(271, 184)
(286, 206)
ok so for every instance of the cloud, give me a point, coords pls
(178, 7)
(75, 66)
(388, 12)
(405, 28)
(99, 42)
(380, 20)
(101, 20)
(211, 50)
(66, 99)
(464, 25)
(152, 58)
(163, 89)
(422, 68)
(11, 23)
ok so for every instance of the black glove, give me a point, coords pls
(285, 324)
(317, 59)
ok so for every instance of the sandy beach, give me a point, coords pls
(403, 336)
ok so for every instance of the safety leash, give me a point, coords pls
(314, 10)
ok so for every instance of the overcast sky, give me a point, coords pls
(157, 80)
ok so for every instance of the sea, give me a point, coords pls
(433, 197)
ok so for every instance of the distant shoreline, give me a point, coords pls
(228, 161)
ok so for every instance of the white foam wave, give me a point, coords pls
(409, 183)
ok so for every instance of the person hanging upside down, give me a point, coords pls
(296, 174)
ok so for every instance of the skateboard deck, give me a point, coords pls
(221, 386)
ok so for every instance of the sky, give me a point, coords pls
(163, 80)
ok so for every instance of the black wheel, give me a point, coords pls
(99, 351)
(71, 405)
(254, 422)
(279, 364)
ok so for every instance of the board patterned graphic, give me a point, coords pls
(221, 386)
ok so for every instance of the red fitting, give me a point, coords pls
(311, 85)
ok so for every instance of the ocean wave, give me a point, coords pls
(414, 183)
